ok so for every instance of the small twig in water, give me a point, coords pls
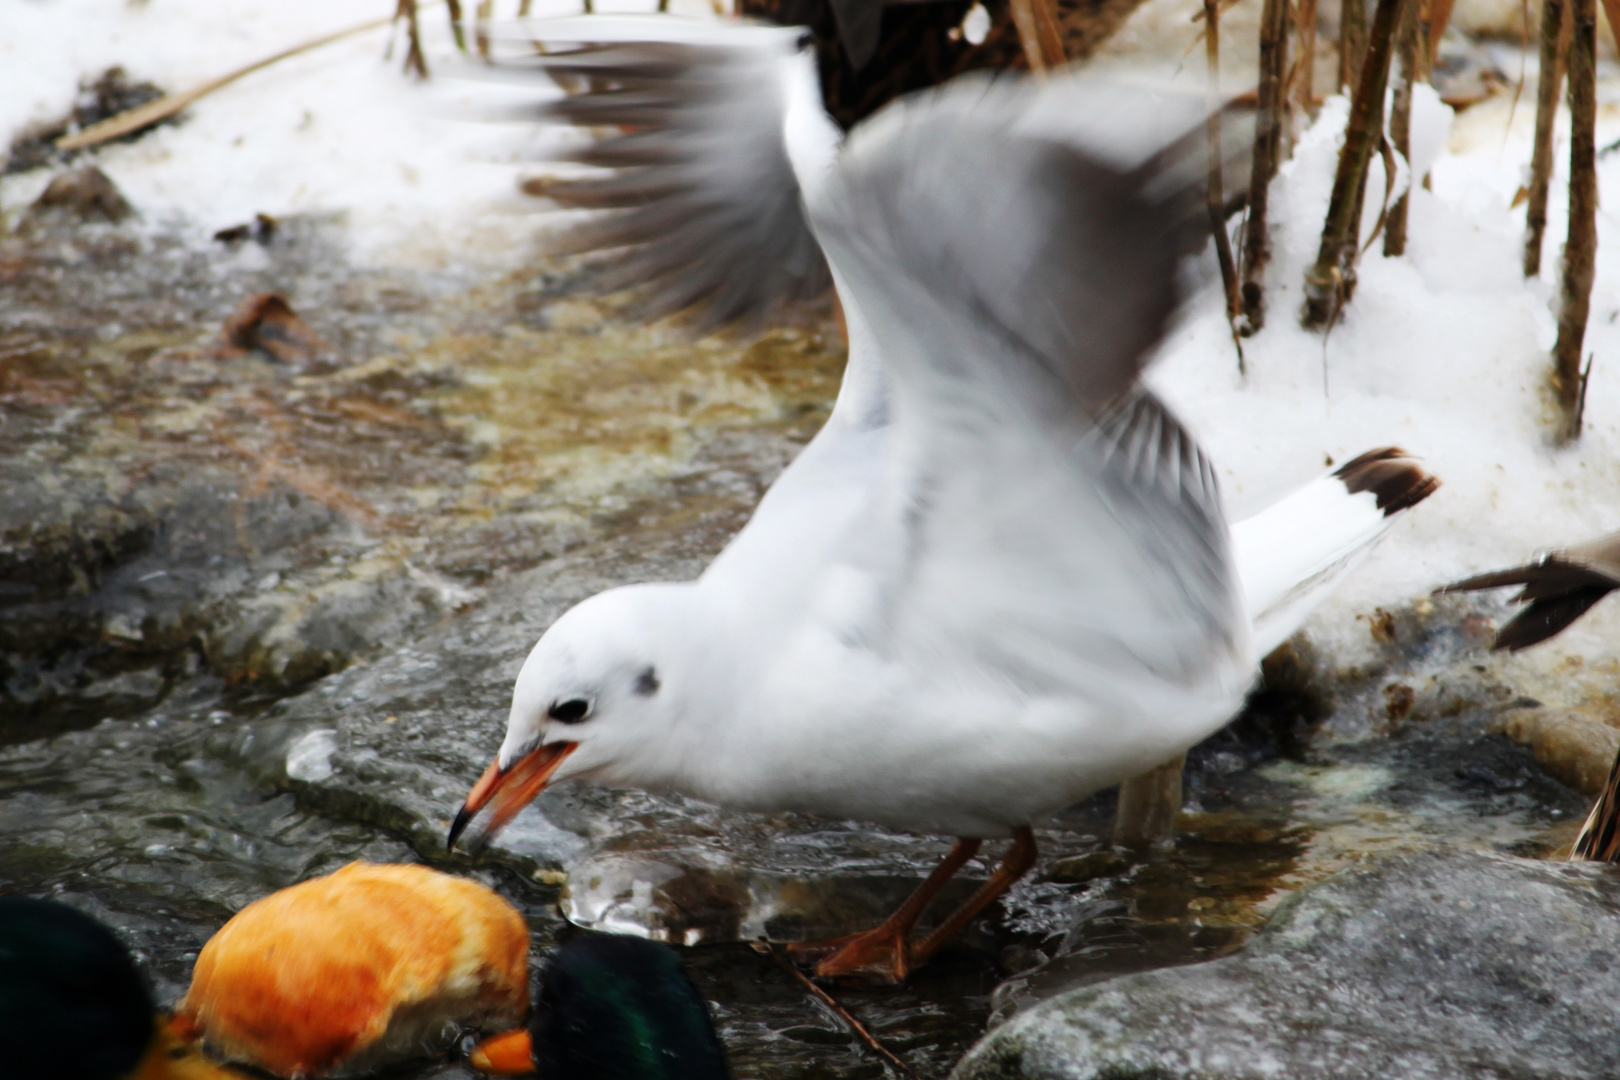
(889, 1057)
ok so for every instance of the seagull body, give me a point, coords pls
(1000, 578)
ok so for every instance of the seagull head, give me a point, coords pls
(590, 701)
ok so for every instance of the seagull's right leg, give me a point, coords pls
(1020, 856)
(881, 953)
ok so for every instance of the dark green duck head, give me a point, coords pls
(73, 1006)
(622, 1008)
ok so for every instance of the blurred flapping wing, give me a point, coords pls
(701, 206)
(1017, 250)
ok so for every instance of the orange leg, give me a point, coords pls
(1014, 864)
(880, 953)
(883, 953)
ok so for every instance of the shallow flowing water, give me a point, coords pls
(258, 619)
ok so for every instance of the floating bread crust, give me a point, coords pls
(365, 965)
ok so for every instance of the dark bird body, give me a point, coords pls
(1559, 587)
(612, 1008)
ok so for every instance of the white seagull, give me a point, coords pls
(1000, 578)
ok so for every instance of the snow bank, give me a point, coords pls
(1443, 351)
(338, 130)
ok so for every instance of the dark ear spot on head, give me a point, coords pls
(647, 682)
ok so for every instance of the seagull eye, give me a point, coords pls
(571, 710)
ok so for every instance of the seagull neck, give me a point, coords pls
(863, 399)
(808, 133)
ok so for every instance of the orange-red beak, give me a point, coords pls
(509, 790)
(507, 1054)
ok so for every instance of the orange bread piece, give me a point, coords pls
(372, 964)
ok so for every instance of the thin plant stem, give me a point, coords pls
(1039, 33)
(170, 104)
(1213, 191)
(1267, 153)
(1400, 125)
(1611, 11)
(1330, 282)
(1305, 60)
(1352, 41)
(1580, 249)
(1555, 32)
(1439, 19)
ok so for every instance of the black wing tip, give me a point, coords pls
(1561, 600)
(1394, 477)
(1495, 579)
(1547, 618)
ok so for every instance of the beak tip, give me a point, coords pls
(457, 827)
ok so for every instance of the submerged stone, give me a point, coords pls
(1427, 964)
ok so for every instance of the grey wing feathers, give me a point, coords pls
(1062, 240)
(1023, 278)
(1558, 588)
(702, 207)
(1156, 463)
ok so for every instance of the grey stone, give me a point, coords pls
(85, 194)
(1427, 964)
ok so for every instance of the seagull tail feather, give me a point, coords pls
(1293, 554)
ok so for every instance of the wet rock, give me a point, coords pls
(1429, 964)
(1079, 869)
(1577, 746)
(283, 507)
(83, 195)
(266, 322)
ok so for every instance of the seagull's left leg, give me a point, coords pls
(883, 952)
(880, 953)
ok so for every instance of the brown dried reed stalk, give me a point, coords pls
(1214, 195)
(1414, 54)
(1580, 249)
(1272, 100)
(1352, 42)
(1555, 34)
(1330, 282)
